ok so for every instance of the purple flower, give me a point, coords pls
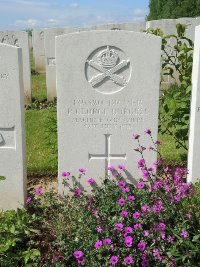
(140, 185)
(110, 168)
(141, 246)
(90, 181)
(119, 226)
(146, 232)
(121, 201)
(131, 198)
(128, 230)
(121, 184)
(81, 261)
(170, 239)
(78, 254)
(107, 241)
(65, 174)
(113, 260)
(82, 170)
(136, 215)
(121, 167)
(189, 216)
(99, 229)
(137, 226)
(184, 234)
(128, 241)
(160, 226)
(38, 191)
(145, 174)
(147, 131)
(98, 244)
(145, 208)
(126, 190)
(28, 200)
(77, 192)
(128, 260)
(136, 136)
(141, 163)
(124, 213)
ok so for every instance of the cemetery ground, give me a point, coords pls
(62, 232)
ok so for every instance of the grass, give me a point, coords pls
(41, 139)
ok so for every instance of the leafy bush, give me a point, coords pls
(177, 59)
(152, 223)
(15, 234)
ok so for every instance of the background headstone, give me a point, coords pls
(21, 39)
(132, 26)
(12, 132)
(194, 135)
(38, 49)
(103, 99)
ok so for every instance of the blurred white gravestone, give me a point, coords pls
(12, 131)
(103, 99)
(194, 140)
(38, 50)
(21, 39)
(49, 44)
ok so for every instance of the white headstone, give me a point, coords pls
(108, 89)
(12, 132)
(20, 39)
(194, 135)
(131, 26)
(38, 48)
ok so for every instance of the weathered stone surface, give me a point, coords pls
(194, 136)
(12, 132)
(49, 44)
(20, 39)
(104, 96)
(38, 48)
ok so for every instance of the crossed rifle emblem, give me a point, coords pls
(108, 73)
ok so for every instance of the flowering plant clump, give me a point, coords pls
(154, 222)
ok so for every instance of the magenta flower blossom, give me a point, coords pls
(170, 239)
(140, 185)
(136, 215)
(128, 260)
(82, 170)
(38, 191)
(107, 241)
(124, 213)
(189, 216)
(131, 198)
(126, 190)
(113, 260)
(128, 230)
(136, 136)
(81, 261)
(119, 226)
(77, 192)
(141, 246)
(184, 234)
(121, 184)
(147, 131)
(29, 200)
(90, 181)
(65, 174)
(128, 241)
(121, 201)
(145, 208)
(78, 254)
(146, 232)
(141, 163)
(121, 167)
(98, 244)
(145, 174)
(137, 226)
(110, 168)
(160, 226)
(99, 229)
